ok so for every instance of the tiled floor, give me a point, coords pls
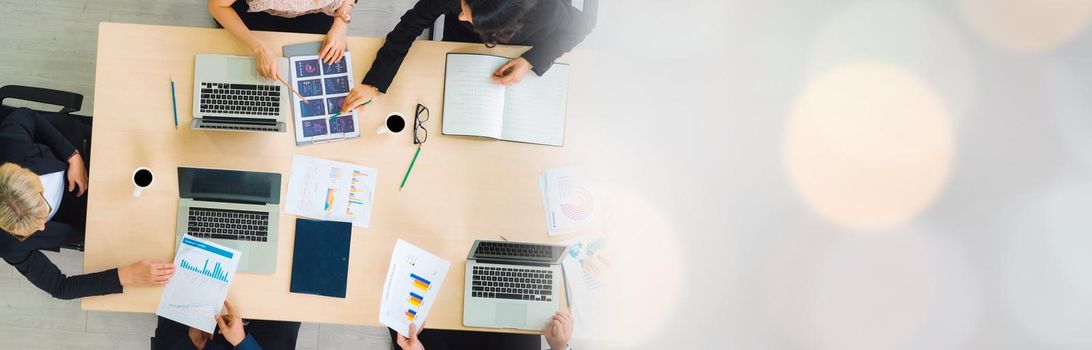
(31, 319)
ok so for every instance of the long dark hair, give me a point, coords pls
(496, 21)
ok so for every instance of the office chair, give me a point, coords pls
(68, 101)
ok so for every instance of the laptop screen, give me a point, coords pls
(517, 252)
(229, 185)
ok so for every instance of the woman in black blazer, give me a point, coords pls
(550, 27)
(35, 154)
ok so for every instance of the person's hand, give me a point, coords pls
(512, 72)
(357, 96)
(77, 174)
(411, 343)
(199, 338)
(231, 325)
(267, 63)
(559, 330)
(333, 47)
(146, 272)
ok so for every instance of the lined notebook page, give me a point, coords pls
(473, 104)
(535, 108)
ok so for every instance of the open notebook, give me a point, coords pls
(532, 111)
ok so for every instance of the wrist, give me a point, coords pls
(236, 341)
(123, 276)
(259, 48)
(339, 27)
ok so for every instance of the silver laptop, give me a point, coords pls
(237, 209)
(229, 95)
(512, 284)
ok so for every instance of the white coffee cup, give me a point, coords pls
(142, 179)
(394, 124)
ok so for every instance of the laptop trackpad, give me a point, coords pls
(242, 69)
(511, 315)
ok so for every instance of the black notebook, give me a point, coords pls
(320, 260)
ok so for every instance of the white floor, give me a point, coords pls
(51, 43)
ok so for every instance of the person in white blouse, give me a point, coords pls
(330, 17)
(43, 206)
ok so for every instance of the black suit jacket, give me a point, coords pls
(552, 28)
(27, 139)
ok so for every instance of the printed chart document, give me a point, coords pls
(532, 111)
(413, 282)
(324, 87)
(587, 274)
(202, 275)
(570, 202)
(323, 189)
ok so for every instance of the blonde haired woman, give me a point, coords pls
(43, 179)
(330, 17)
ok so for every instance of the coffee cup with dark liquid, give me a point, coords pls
(395, 124)
(142, 178)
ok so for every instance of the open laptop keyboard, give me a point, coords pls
(236, 225)
(511, 249)
(512, 283)
(244, 99)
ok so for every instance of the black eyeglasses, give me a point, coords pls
(46, 202)
(420, 134)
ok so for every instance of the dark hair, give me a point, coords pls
(498, 21)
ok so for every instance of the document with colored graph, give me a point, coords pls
(195, 294)
(571, 202)
(413, 283)
(327, 190)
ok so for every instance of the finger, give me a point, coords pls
(402, 342)
(324, 53)
(71, 184)
(503, 70)
(230, 309)
(331, 51)
(413, 332)
(328, 56)
(338, 54)
(83, 188)
(352, 102)
(220, 322)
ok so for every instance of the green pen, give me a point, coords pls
(338, 114)
(404, 178)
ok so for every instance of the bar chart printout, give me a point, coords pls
(323, 189)
(196, 292)
(413, 282)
